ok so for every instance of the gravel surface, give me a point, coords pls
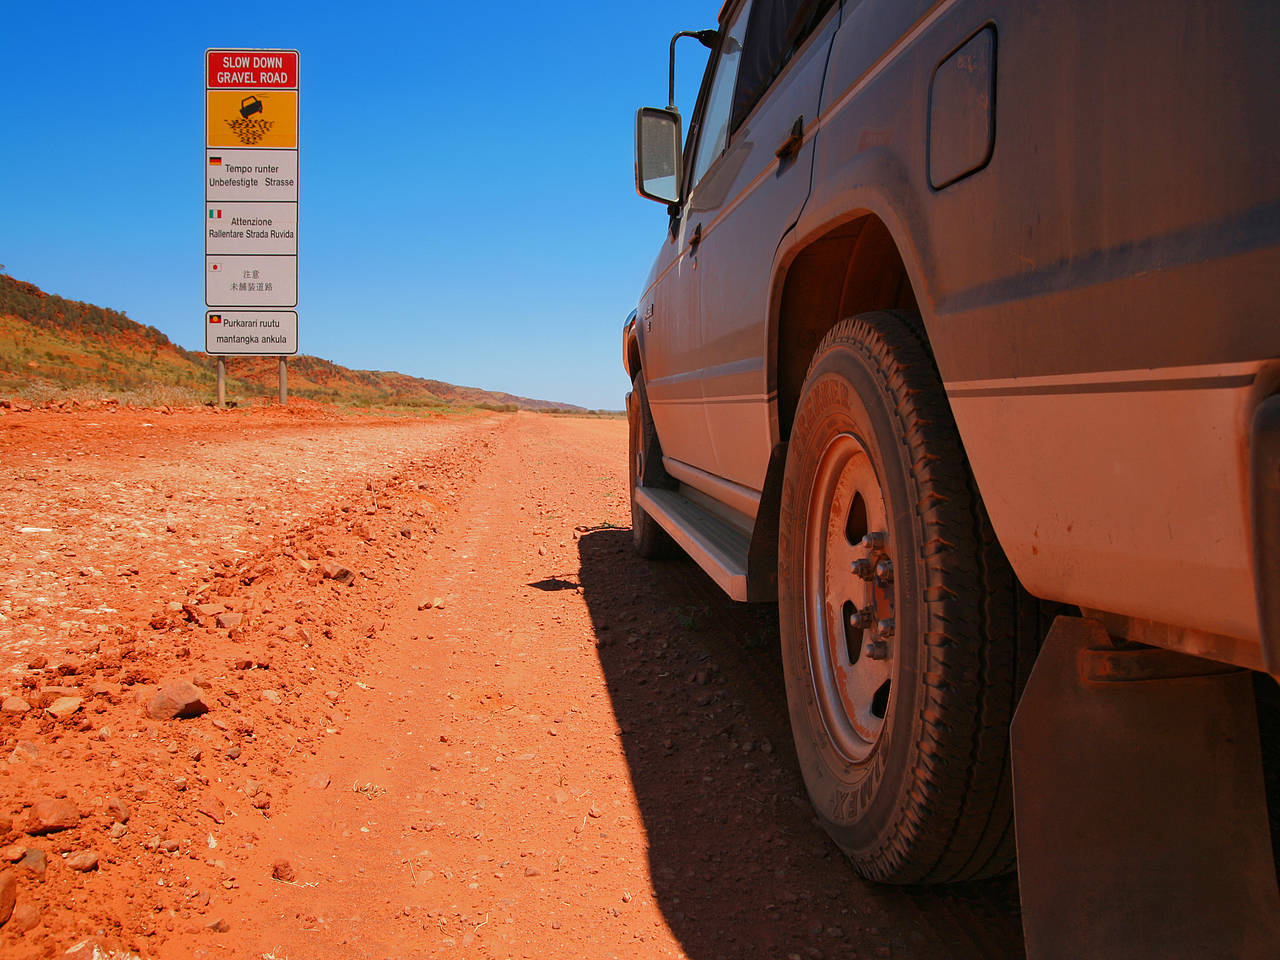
(336, 687)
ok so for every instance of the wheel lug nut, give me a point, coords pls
(862, 619)
(877, 650)
(884, 571)
(885, 628)
(862, 568)
(875, 540)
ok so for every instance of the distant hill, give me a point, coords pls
(48, 339)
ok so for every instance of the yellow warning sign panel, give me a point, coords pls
(252, 118)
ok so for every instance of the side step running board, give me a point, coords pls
(717, 547)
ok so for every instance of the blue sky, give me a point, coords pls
(467, 203)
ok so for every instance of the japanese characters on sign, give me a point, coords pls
(251, 201)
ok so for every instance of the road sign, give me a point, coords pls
(241, 281)
(252, 333)
(251, 201)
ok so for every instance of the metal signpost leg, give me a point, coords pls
(222, 383)
(284, 383)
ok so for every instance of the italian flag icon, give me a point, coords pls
(215, 214)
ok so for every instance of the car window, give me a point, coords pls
(774, 32)
(714, 134)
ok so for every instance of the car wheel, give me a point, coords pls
(645, 470)
(906, 636)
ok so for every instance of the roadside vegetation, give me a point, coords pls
(53, 349)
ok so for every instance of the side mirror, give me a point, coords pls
(658, 163)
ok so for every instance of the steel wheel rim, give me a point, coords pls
(852, 680)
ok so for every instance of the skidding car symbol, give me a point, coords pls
(250, 105)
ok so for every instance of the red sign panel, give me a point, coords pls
(252, 69)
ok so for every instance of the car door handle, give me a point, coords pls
(795, 139)
(696, 238)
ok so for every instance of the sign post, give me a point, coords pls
(251, 205)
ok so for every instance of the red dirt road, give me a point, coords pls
(507, 737)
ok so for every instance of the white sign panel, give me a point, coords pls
(251, 174)
(251, 201)
(247, 281)
(251, 332)
(251, 228)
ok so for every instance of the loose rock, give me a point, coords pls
(177, 698)
(24, 751)
(26, 917)
(84, 950)
(118, 809)
(34, 862)
(14, 705)
(83, 861)
(51, 815)
(335, 571)
(283, 870)
(64, 707)
(213, 808)
(47, 695)
(8, 895)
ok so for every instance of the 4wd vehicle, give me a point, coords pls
(965, 319)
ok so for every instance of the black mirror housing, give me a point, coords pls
(658, 155)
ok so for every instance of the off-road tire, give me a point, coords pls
(927, 799)
(644, 456)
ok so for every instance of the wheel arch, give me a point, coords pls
(844, 264)
(853, 265)
(631, 346)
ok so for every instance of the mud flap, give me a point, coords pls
(1139, 806)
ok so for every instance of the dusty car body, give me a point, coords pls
(1063, 222)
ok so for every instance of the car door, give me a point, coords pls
(751, 176)
(667, 317)
(670, 312)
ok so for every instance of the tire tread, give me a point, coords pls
(981, 629)
(651, 541)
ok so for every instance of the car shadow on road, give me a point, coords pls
(739, 865)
